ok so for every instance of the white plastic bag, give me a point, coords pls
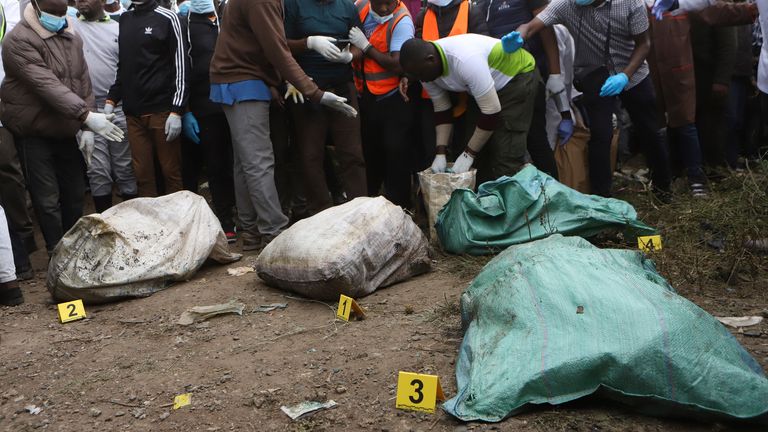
(351, 249)
(136, 248)
(437, 189)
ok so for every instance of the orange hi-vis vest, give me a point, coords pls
(430, 32)
(368, 72)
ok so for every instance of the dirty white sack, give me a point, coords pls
(136, 248)
(437, 189)
(351, 249)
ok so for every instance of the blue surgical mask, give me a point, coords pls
(126, 3)
(380, 19)
(201, 6)
(184, 8)
(584, 2)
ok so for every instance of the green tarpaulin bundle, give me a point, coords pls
(557, 319)
(529, 206)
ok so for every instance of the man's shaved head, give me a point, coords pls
(54, 7)
(421, 60)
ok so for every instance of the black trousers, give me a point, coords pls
(640, 103)
(215, 152)
(387, 146)
(55, 174)
(538, 144)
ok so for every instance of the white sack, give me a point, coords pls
(437, 189)
(136, 248)
(351, 249)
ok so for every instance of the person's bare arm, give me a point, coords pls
(531, 28)
(297, 46)
(390, 61)
(642, 48)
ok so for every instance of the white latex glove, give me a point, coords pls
(86, 145)
(344, 56)
(555, 84)
(337, 103)
(172, 127)
(463, 163)
(439, 164)
(358, 39)
(102, 125)
(293, 93)
(108, 108)
(324, 46)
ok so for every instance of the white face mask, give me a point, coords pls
(380, 19)
(440, 3)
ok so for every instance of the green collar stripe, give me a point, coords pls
(442, 58)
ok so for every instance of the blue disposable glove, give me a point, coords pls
(565, 131)
(512, 42)
(191, 128)
(661, 6)
(614, 85)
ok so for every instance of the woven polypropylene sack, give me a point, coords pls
(557, 319)
(136, 248)
(351, 249)
(437, 188)
(529, 206)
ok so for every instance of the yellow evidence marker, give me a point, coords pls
(71, 311)
(182, 400)
(418, 392)
(348, 305)
(649, 243)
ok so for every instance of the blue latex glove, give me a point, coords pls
(190, 127)
(614, 85)
(661, 6)
(512, 42)
(565, 131)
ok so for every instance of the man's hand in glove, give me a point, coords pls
(660, 7)
(512, 42)
(463, 163)
(190, 127)
(338, 103)
(614, 85)
(358, 39)
(565, 131)
(555, 84)
(102, 125)
(293, 93)
(439, 164)
(86, 145)
(324, 45)
(172, 127)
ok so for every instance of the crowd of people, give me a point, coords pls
(288, 107)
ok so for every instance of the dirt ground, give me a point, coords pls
(121, 367)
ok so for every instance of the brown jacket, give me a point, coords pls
(47, 88)
(252, 46)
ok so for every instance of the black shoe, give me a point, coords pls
(25, 274)
(663, 194)
(11, 296)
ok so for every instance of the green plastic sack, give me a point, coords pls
(529, 206)
(557, 319)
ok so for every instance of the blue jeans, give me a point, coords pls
(687, 139)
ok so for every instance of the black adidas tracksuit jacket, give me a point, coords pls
(153, 69)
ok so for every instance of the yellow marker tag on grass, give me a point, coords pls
(418, 392)
(649, 243)
(347, 306)
(71, 311)
(182, 400)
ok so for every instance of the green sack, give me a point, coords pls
(554, 320)
(529, 206)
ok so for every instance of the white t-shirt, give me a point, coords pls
(476, 64)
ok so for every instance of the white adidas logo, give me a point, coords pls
(148, 30)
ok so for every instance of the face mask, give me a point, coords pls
(380, 19)
(50, 22)
(201, 6)
(126, 3)
(109, 2)
(184, 8)
(440, 3)
(72, 11)
(584, 2)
